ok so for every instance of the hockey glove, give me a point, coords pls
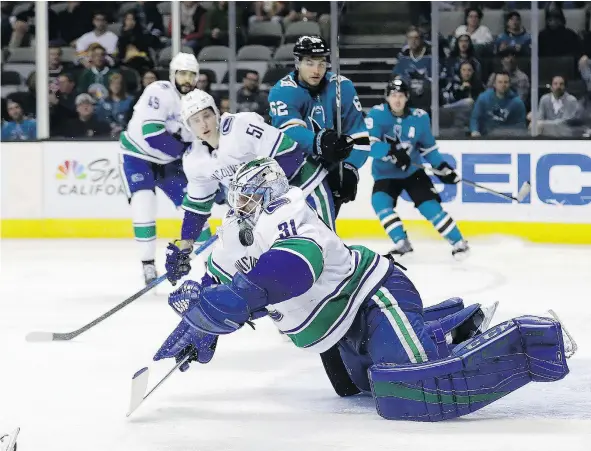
(331, 147)
(447, 174)
(179, 137)
(184, 340)
(178, 260)
(397, 154)
(344, 190)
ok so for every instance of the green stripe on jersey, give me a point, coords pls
(152, 128)
(309, 170)
(127, 145)
(218, 272)
(198, 206)
(398, 390)
(285, 146)
(308, 250)
(334, 307)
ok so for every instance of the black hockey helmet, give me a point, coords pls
(310, 46)
(399, 85)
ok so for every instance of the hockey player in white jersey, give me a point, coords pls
(222, 144)
(419, 364)
(151, 150)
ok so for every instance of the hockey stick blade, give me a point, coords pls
(38, 336)
(139, 384)
(523, 192)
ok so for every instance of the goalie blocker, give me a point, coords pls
(477, 373)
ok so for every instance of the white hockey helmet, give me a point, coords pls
(194, 102)
(254, 186)
(183, 61)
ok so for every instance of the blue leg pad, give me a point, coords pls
(479, 371)
(458, 327)
(443, 309)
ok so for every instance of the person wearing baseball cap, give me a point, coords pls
(86, 124)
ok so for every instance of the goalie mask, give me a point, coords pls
(254, 186)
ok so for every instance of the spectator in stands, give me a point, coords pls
(75, 21)
(585, 60)
(249, 98)
(193, 24)
(115, 108)
(134, 44)
(424, 26)
(515, 36)
(313, 11)
(27, 99)
(100, 35)
(497, 108)
(262, 12)
(86, 124)
(555, 109)
(519, 80)
(283, 12)
(6, 28)
(581, 123)
(464, 88)
(18, 128)
(148, 78)
(62, 102)
(224, 105)
(56, 66)
(414, 66)
(204, 84)
(555, 39)
(216, 25)
(462, 52)
(150, 19)
(480, 34)
(94, 79)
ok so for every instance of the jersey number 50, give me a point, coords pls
(278, 108)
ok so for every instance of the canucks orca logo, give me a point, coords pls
(275, 315)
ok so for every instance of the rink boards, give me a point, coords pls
(73, 190)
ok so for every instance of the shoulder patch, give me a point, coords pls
(163, 85)
(379, 107)
(342, 78)
(288, 82)
(418, 112)
(369, 123)
(274, 205)
(227, 125)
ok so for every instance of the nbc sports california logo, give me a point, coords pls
(97, 177)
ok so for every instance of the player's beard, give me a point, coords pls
(185, 88)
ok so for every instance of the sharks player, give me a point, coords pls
(322, 293)
(401, 137)
(303, 105)
(151, 151)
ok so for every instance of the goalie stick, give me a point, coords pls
(522, 194)
(40, 336)
(139, 384)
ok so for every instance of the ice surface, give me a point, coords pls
(259, 392)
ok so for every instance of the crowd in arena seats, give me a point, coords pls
(103, 54)
(112, 50)
(485, 72)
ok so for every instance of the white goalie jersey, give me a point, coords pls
(243, 137)
(157, 111)
(343, 276)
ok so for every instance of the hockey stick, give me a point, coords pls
(522, 194)
(39, 336)
(139, 384)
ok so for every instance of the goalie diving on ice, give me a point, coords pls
(419, 364)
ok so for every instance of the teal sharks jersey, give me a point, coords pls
(300, 114)
(413, 131)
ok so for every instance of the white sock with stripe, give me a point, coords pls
(143, 212)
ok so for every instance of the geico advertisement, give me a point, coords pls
(559, 173)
